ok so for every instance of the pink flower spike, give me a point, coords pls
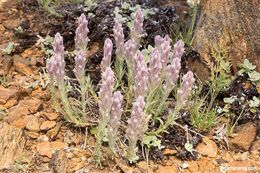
(138, 21)
(172, 74)
(155, 67)
(107, 53)
(116, 111)
(119, 36)
(141, 75)
(80, 63)
(58, 44)
(178, 49)
(186, 86)
(105, 93)
(135, 123)
(81, 38)
(165, 50)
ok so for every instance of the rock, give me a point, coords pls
(6, 65)
(24, 107)
(32, 135)
(193, 166)
(207, 148)
(167, 169)
(12, 142)
(238, 37)
(44, 149)
(169, 152)
(55, 131)
(58, 145)
(51, 116)
(43, 138)
(20, 123)
(10, 103)
(245, 137)
(21, 65)
(41, 94)
(6, 94)
(256, 146)
(33, 124)
(2, 29)
(59, 162)
(47, 125)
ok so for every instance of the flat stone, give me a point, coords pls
(59, 162)
(52, 133)
(6, 94)
(207, 148)
(245, 137)
(51, 116)
(44, 149)
(12, 142)
(33, 124)
(33, 135)
(24, 107)
(256, 146)
(167, 169)
(10, 103)
(47, 125)
(193, 166)
(20, 122)
(58, 145)
(21, 65)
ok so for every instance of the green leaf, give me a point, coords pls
(152, 141)
(8, 50)
(247, 65)
(255, 102)
(93, 131)
(254, 76)
(188, 147)
(230, 100)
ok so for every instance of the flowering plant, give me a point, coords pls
(150, 81)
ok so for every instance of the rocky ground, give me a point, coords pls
(34, 138)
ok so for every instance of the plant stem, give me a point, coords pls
(54, 99)
(119, 68)
(64, 98)
(131, 151)
(99, 136)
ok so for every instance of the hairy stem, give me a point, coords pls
(119, 69)
(64, 98)
(54, 99)
(131, 151)
(99, 136)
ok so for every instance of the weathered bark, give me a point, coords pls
(231, 24)
(12, 143)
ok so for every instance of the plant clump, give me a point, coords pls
(138, 89)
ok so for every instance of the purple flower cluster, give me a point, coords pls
(119, 36)
(186, 86)
(105, 93)
(141, 75)
(173, 69)
(135, 124)
(56, 65)
(155, 67)
(107, 53)
(80, 63)
(129, 51)
(116, 111)
(165, 50)
(137, 30)
(81, 38)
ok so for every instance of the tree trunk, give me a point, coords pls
(233, 25)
